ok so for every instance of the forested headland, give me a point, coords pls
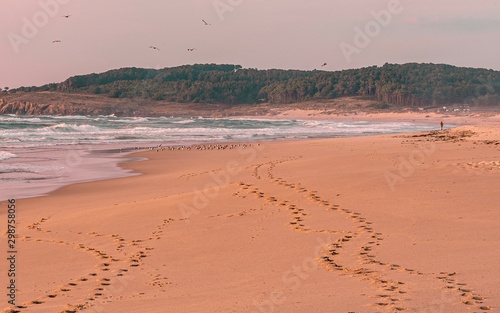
(408, 85)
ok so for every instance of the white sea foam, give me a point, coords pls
(4, 155)
(8, 118)
(184, 121)
(70, 117)
(28, 168)
(131, 120)
(73, 127)
(50, 130)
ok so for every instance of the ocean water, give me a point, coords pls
(38, 154)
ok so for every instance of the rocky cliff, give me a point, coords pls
(35, 108)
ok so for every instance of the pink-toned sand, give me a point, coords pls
(399, 223)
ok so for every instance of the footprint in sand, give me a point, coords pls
(391, 287)
(37, 302)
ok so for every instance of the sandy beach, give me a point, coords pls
(392, 223)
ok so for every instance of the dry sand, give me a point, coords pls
(392, 223)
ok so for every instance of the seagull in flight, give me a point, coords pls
(191, 49)
(56, 41)
(66, 16)
(206, 23)
(324, 64)
(154, 48)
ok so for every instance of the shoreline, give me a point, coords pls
(294, 114)
(70, 169)
(173, 236)
(65, 166)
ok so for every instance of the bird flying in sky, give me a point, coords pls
(56, 41)
(324, 64)
(154, 48)
(66, 16)
(206, 23)
(191, 49)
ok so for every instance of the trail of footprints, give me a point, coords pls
(36, 225)
(110, 268)
(371, 270)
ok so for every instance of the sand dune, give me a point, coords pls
(374, 224)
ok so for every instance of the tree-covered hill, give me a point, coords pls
(407, 85)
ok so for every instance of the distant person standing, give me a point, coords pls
(442, 124)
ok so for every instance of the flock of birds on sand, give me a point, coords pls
(160, 147)
(155, 47)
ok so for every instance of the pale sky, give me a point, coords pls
(289, 34)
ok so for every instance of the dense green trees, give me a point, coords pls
(409, 85)
(402, 85)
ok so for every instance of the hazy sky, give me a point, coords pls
(290, 34)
